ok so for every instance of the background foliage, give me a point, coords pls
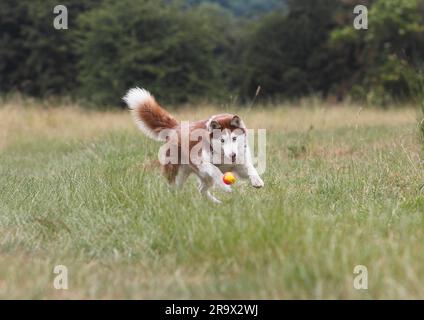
(197, 49)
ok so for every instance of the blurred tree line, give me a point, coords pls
(197, 49)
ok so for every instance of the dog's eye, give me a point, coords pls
(222, 140)
(234, 138)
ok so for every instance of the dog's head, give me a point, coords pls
(228, 137)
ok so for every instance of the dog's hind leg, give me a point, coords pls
(170, 171)
(182, 175)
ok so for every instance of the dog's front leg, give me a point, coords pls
(207, 170)
(204, 190)
(247, 170)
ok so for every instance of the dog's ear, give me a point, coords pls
(236, 122)
(214, 125)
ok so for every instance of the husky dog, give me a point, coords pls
(222, 141)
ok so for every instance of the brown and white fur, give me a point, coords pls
(151, 119)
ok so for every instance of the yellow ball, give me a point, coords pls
(229, 178)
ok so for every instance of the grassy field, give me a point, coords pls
(341, 189)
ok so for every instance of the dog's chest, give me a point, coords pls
(225, 167)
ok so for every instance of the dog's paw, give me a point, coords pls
(256, 181)
(215, 200)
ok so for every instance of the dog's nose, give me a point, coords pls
(233, 157)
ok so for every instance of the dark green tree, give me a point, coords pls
(35, 58)
(172, 51)
(287, 55)
(245, 8)
(387, 56)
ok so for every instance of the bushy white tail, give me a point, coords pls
(149, 116)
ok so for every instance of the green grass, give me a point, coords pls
(336, 196)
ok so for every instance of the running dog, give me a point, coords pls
(219, 144)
